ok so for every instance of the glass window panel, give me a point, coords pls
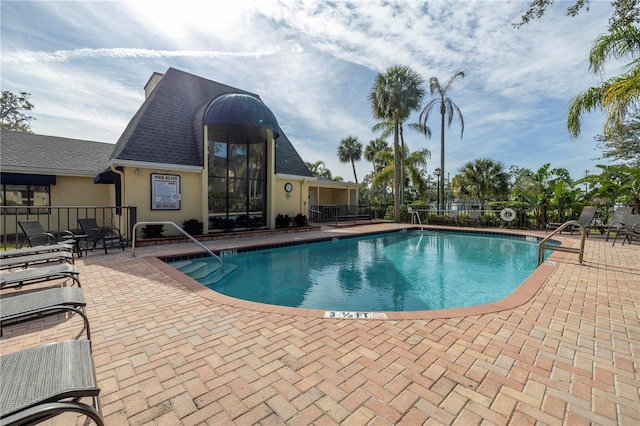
(256, 196)
(256, 161)
(218, 159)
(26, 195)
(238, 161)
(217, 195)
(40, 196)
(17, 195)
(237, 181)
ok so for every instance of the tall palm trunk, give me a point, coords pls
(353, 165)
(402, 167)
(442, 175)
(396, 173)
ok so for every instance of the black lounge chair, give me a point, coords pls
(95, 234)
(38, 275)
(36, 259)
(630, 231)
(585, 219)
(617, 221)
(35, 235)
(45, 381)
(28, 306)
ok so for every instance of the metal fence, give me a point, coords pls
(56, 219)
(523, 217)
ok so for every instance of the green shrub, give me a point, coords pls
(152, 231)
(300, 220)
(405, 217)
(193, 226)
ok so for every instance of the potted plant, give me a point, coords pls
(193, 226)
(152, 231)
(300, 220)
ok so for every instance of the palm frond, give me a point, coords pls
(421, 128)
(618, 97)
(426, 111)
(582, 103)
(622, 44)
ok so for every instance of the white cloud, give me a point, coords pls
(313, 63)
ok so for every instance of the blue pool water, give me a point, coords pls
(405, 271)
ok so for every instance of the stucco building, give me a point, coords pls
(195, 148)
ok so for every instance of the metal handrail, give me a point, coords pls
(542, 245)
(133, 243)
(417, 214)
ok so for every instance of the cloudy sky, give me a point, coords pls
(313, 63)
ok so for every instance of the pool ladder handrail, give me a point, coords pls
(416, 214)
(543, 244)
(182, 231)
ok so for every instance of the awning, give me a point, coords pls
(23, 179)
(108, 176)
(239, 111)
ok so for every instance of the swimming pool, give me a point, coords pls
(406, 271)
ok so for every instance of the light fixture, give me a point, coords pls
(137, 171)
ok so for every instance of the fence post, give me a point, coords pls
(133, 219)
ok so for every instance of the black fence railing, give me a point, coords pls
(519, 217)
(56, 219)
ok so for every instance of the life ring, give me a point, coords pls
(507, 214)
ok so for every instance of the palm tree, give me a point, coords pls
(394, 95)
(617, 94)
(372, 151)
(387, 128)
(483, 179)
(414, 163)
(447, 108)
(319, 168)
(350, 151)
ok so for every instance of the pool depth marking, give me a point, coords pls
(355, 315)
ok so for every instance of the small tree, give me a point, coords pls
(350, 151)
(12, 111)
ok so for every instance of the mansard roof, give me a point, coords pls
(167, 129)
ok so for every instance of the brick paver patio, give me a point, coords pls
(168, 351)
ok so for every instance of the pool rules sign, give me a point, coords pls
(165, 192)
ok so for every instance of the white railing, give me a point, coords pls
(415, 213)
(182, 231)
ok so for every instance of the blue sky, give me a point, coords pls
(313, 64)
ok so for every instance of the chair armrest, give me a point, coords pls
(110, 230)
(66, 234)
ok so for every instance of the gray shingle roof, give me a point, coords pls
(27, 152)
(168, 129)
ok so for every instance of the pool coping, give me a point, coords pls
(521, 295)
